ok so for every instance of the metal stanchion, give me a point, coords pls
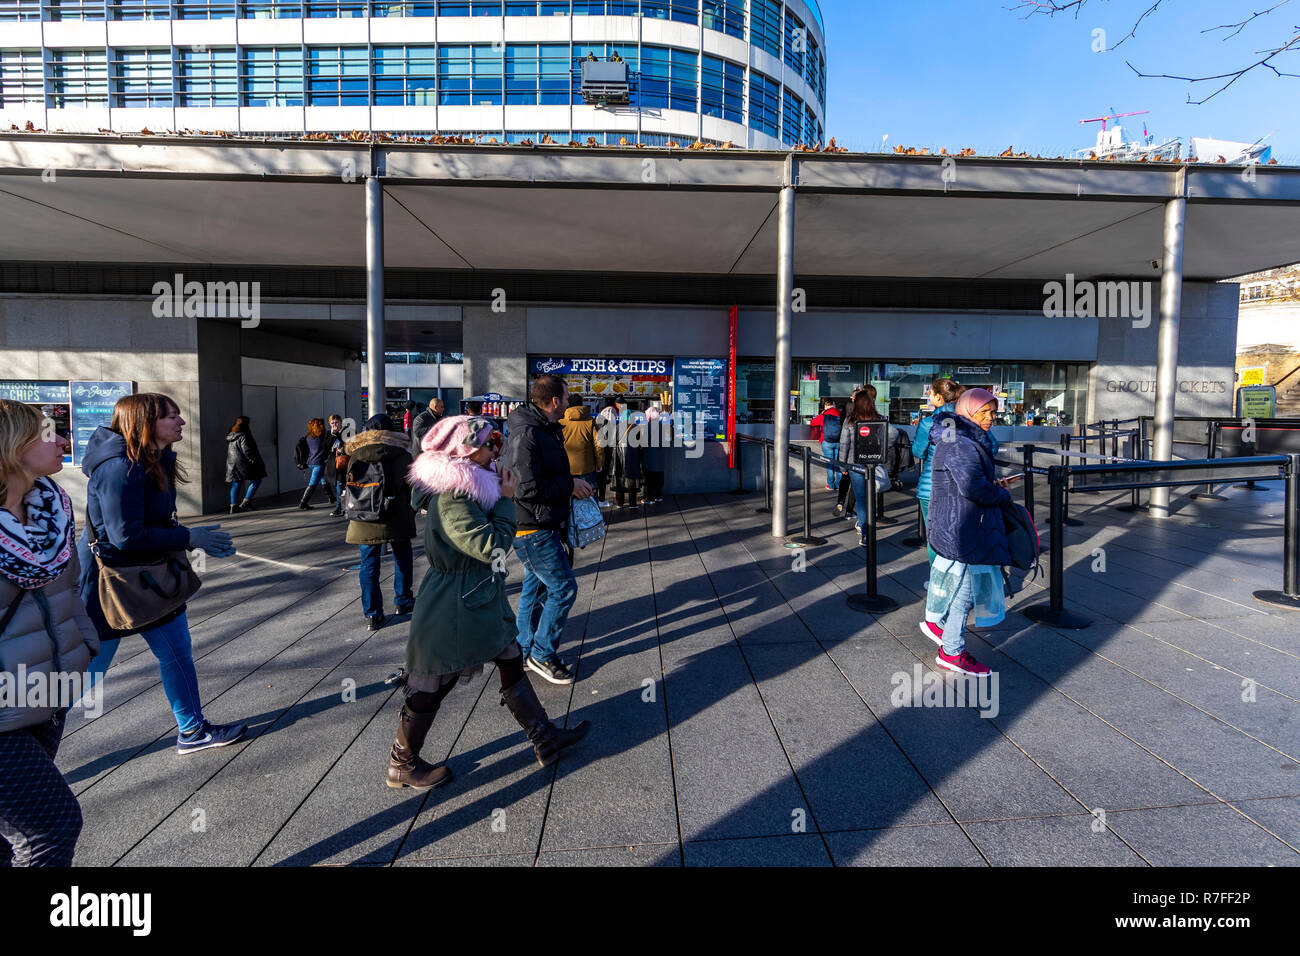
(807, 539)
(1137, 450)
(919, 539)
(1054, 613)
(1029, 479)
(1254, 450)
(1289, 596)
(740, 470)
(1212, 446)
(871, 602)
(767, 481)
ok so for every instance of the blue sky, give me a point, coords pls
(959, 73)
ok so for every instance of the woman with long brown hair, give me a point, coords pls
(243, 464)
(861, 409)
(44, 630)
(131, 513)
(315, 449)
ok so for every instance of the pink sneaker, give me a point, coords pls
(963, 663)
(933, 632)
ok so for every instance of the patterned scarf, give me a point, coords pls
(32, 556)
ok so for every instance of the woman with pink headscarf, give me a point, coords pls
(462, 619)
(966, 530)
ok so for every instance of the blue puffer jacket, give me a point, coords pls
(965, 501)
(923, 451)
(133, 518)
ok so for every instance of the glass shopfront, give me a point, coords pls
(1043, 393)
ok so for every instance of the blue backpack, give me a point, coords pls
(832, 426)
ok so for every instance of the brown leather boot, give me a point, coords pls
(405, 768)
(547, 739)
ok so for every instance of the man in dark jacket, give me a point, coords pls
(424, 421)
(535, 452)
(383, 443)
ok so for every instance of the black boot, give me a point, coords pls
(405, 768)
(329, 490)
(547, 739)
(306, 497)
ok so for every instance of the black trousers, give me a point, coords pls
(40, 818)
(654, 484)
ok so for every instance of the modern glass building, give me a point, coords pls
(748, 72)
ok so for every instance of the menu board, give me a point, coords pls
(92, 406)
(700, 391)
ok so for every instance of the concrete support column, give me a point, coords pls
(1171, 304)
(784, 307)
(375, 294)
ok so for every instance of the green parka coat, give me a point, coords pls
(462, 618)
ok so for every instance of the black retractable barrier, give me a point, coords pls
(919, 539)
(767, 481)
(807, 539)
(871, 601)
(1054, 613)
(740, 488)
(1289, 596)
(1029, 478)
(1212, 449)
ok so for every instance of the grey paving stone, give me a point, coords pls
(1051, 841)
(1214, 755)
(973, 768)
(1280, 815)
(663, 854)
(801, 850)
(941, 845)
(733, 779)
(504, 859)
(1214, 835)
(852, 773)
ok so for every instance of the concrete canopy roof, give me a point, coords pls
(292, 203)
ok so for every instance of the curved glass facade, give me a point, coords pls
(748, 71)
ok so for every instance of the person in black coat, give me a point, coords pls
(316, 448)
(534, 451)
(243, 464)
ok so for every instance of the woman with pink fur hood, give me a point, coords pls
(462, 619)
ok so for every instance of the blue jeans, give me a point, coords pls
(831, 450)
(372, 596)
(548, 577)
(248, 495)
(339, 487)
(859, 484)
(954, 641)
(316, 476)
(170, 643)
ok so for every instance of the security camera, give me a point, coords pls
(1155, 264)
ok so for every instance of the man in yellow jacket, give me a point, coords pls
(586, 456)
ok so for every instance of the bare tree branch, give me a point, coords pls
(1053, 7)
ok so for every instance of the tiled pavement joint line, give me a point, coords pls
(1165, 690)
(247, 746)
(663, 683)
(577, 668)
(812, 813)
(451, 748)
(834, 663)
(1188, 777)
(328, 770)
(150, 743)
(256, 623)
(1052, 686)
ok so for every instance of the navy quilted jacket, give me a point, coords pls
(965, 520)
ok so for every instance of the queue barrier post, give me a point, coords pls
(871, 602)
(1289, 597)
(1029, 478)
(807, 539)
(767, 481)
(740, 469)
(1054, 613)
(1212, 446)
(919, 539)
